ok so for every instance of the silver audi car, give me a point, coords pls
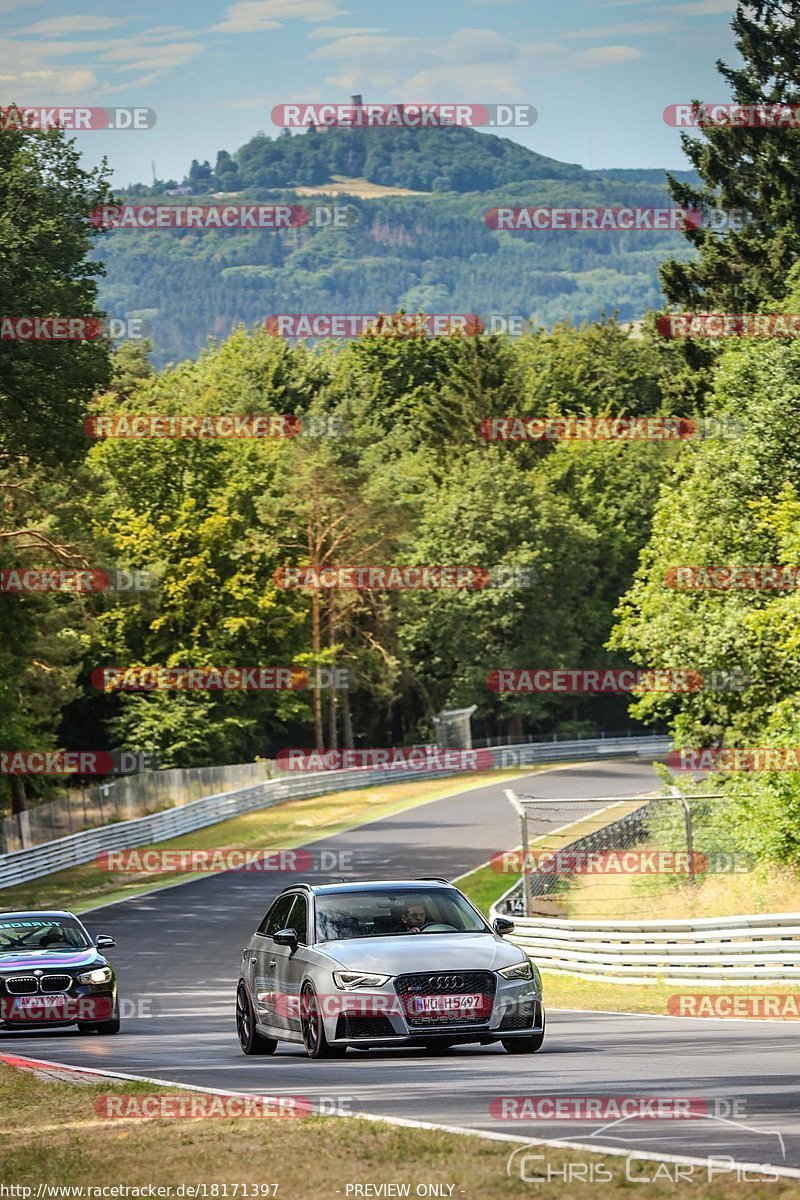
(409, 963)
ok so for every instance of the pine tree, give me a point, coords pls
(752, 169)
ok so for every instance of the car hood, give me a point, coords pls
(31, 960)
(423, 952)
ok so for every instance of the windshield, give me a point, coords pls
(394, 912)
(41, 933)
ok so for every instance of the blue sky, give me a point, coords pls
(599, 72)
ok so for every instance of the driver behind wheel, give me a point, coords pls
(415, 917)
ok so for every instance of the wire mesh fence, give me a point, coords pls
(620, 857)
(124, 799)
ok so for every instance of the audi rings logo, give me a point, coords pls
(444, 983)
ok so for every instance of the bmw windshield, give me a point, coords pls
(41, 933)
(393, 912)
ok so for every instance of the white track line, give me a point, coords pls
(409, 1123)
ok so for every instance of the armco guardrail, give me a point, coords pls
(24, 865)
(755, 950)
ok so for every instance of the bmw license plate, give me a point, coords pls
(34, 1008)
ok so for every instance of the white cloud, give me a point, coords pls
(48, 83)
(364, 46)
(703, 8)
(607, 56)
(153, 51)
(137, 56)
(625, 28)
(76, 24)
(475, 46)
(335, 31)
(474, 82)
(253, 16)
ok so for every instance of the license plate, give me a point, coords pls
(445, 1004)
(35, 1008)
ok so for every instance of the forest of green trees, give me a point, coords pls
(432, 252)
(396, 471)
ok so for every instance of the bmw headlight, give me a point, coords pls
(523, 970)
(101, 975)
(348, 980)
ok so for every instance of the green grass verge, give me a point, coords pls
(51, 1134)
(284, 826)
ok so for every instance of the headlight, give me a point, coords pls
(101, 975)
(347, 980)
(522, 970)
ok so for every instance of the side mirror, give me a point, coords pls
(286, 937)
(502, 925)
(104, 942)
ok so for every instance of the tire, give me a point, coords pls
(525, 1045)
(314, 1040)
(105, 1028)
(250, 1040)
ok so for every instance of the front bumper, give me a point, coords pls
(380, 1017)
(82, 1003)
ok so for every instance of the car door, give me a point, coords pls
(264, 985)
(290, 968)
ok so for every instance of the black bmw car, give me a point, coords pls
(53, 974)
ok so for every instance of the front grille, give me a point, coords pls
(22, 985)
(443, 983)
(518, 1016)
(364, 1027)
(56, 983)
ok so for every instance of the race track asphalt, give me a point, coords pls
(179, 950)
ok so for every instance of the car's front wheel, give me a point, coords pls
(107, 1028)
(525, 1045)
(251, 1041)
(314, 1039)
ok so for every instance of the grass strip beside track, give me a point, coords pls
(283, 826)
(52, 1136)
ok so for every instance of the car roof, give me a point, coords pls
(37, 912)
(368, 885)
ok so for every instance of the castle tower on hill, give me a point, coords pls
(355, 102)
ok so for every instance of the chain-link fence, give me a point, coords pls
(123, 799)
(619, 856)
